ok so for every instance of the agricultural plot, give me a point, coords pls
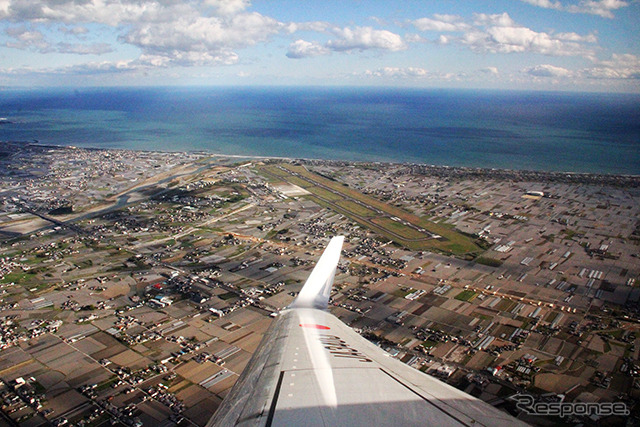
(389, 221)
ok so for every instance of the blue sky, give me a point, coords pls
(579, 45)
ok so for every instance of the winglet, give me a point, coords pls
(316, 290)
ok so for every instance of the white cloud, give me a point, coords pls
(448, 23)
(78, 69)
(548, 71)
(315, 26)
(193, 32)
(131, 66)
(574, 37)
(348, 40)
(105, 67)
(490, 70)
(97, 11)
(202, 40)
(620, 66)
(414, 38)
(446, 17)
(84, 49)
(228, 7)
(622, 60)
(521, 39)
(4, 8)
(305, 49)
(363, 38)
(497, 20)
(500, 34)
(156, 61)
(211, 32)
(76, 30)
(547, 4)
(168, 32)
(27, 38)
(544, 3)
(398, 72)
(409, 73)
(603, 8)
(442, 39)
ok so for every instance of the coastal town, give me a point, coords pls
(135, 286)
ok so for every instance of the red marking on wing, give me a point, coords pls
(314, 326)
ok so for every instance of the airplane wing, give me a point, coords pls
(313, 370)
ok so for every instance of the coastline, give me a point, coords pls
(459, 172)
(462, 170)
(578, 133)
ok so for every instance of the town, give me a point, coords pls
(135, 286)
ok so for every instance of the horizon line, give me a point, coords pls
(311, 86)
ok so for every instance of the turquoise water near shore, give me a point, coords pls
(595, 133)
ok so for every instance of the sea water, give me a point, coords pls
(579, 132)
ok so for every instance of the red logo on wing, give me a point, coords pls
(314, 326)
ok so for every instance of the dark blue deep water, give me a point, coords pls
(597, 133)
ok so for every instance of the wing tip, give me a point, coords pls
(316, 290)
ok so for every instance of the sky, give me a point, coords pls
(566, 45)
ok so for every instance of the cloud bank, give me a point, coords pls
(139, 36)
(603, 8)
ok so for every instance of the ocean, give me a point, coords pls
(572, 132)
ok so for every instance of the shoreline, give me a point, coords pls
(551, 132)
(416, 167)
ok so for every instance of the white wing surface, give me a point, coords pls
(313, 370)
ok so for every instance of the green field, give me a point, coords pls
(420, 245)
(356, 208)
(19, 278)
(491, 262)
(362, 209)
(399, 228)
(299, 182)
(506, 305)
(466, 295)
(325, 194)
(451, 241)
